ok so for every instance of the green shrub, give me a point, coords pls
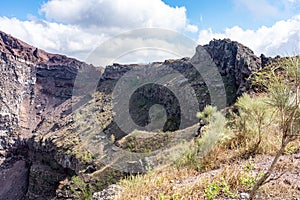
(254, 115)
(212, 191)
(80, 189)
(207, 114)
(216, 131)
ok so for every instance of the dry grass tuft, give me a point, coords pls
(232, 165)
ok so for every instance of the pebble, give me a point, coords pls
(244, 195)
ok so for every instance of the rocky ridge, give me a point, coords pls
(38, 130)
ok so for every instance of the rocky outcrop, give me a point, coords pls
(116, 71)
(44, 124)
(110, 193)
(235, 63)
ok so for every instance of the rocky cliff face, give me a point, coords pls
(39, 136)
(235, 63)
(34, 85)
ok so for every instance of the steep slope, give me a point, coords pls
(33, 82)
(44, 120)
(34, 85)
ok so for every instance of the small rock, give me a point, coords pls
(244, 195)
(109, 193)
(286, 181)
(3, 153)
(297, 156)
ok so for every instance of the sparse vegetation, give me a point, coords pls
(217, 165)
(216, 131)
(254, 116)
(265, 124)
(79, 185)
(282, 85)
(145, 142)
(112, 138)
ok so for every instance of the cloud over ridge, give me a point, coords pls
(76, 27)
(282, 38)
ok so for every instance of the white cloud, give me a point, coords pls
(282, 38)
(76, 27)
(109, 14)
(143, 46)
(140, 46)
(53, 37)
(192, 28)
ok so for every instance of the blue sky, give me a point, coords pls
(213, 14)
(219, 15)
(20, 8)
(75, 27)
